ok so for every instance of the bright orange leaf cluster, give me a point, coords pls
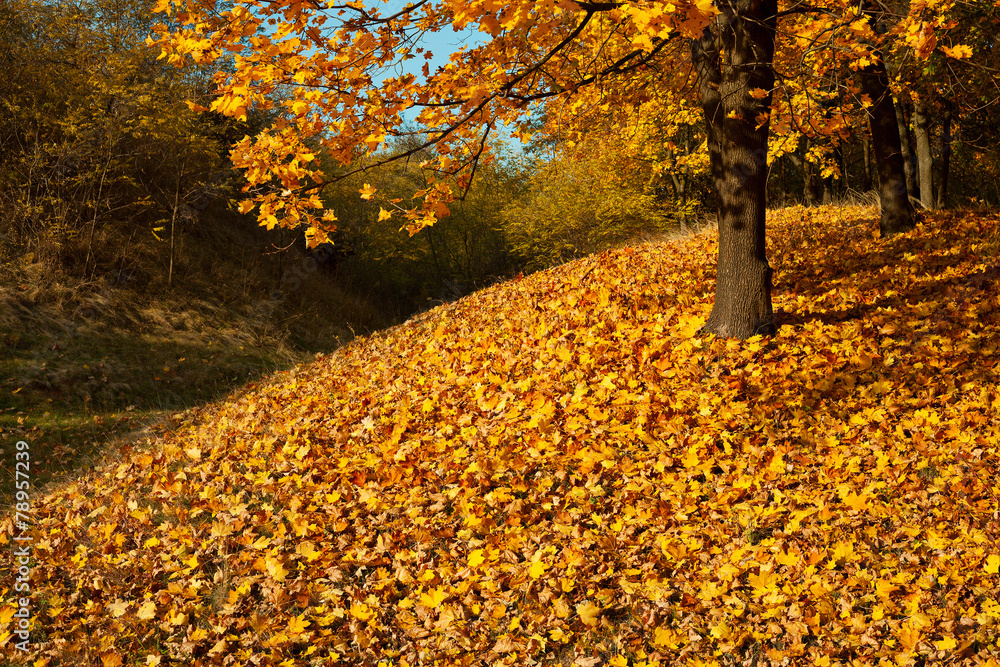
(557, 469)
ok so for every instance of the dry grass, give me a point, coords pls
(87, 360)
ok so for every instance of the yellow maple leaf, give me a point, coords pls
(476, 558)
(146, 611)
(992, 564)
(786, 558)
(908, 636)
(884, 588)
(856, 502)
(361, 611)
(537, 569)
(758, 93)
(117, 608)
(433, 598)
(842, 552)
(367, 192)
(383, 214)
(763, 582)
(946, 644)
(665, 637)
(308, 549)
(275, 568)
(959, 51)
(297, 625)
(588, 612)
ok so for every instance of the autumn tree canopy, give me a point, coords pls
(343, 77)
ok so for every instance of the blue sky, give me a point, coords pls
(441, 45)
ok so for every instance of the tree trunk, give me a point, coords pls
(845, 175)
(866, 149)
(925, 158)
(784, 181)
(811, 190)
(173, 225)
(909, 163)
(897, 213)
(942, 193)
(731, 59)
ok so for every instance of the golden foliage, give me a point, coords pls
(341, 79)
(576, 205)
(556, 468)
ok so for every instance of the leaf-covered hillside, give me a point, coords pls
(557, 470)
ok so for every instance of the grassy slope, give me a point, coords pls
(85, 361)
(556, 469)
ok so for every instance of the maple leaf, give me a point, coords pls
(476, 558)
(946, 644)
(433, 598)
(992, 564)
(361, 611)
(118, 608)
(959, 51)
(537, 569)
(297, 625)
(275, 568)
(147, 610)
(884, 588)
(308, 549)
(908, 636)
(588, 612)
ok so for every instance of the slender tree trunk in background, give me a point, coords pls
(784, 181)
(811, 190)
(942, 193)
(905, 139)
(845, 175)
(677, 182)
(173, 224)
(687, 169)
(732, 58)
(925, 158)
(897, 213)
(93, 220)
(866, 148)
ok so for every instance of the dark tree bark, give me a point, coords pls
(905, 139)
(811, 190)
(784, 181)
(866, 156)
(925, 158)
(732, 58)
(897, 213)
(942, 193)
